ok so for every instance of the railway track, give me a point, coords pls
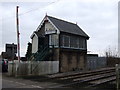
(67, 74)
(78, 79)
(92, 78)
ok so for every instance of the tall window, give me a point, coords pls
(82, 43)
(74, 42)
(77, 43)
(53, 39)
(66, 41)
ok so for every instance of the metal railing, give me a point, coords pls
(41, 55)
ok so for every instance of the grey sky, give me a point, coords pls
(98, 18)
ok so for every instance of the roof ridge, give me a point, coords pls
(61, 20)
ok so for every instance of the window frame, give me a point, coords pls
(68, 41)
(54, 41)
(80, 42)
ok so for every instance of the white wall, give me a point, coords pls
(45, 67)
(33, 68)
(34, 44)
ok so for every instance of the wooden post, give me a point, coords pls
(18, 40)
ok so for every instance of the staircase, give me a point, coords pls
(41, 56)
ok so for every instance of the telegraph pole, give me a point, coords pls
(18, 40)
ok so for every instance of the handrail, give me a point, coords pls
(41, 55)
(36, 54)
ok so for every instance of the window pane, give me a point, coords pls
(53, 40)
(74, 42)
(77, 44)
(71, 41)
(61, 40)
(66, 41)
(80, 43)
(84, 43)
(50, 39)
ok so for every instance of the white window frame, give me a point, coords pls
(55, 41)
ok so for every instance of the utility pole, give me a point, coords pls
(18, 40)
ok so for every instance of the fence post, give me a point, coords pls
(117, 76)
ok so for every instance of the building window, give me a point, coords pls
(66, 41)
(53, 39)
(82, 43)
(74, 42)
(77, 43)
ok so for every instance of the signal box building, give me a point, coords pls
(59, 40)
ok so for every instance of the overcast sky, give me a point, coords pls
(98, 18)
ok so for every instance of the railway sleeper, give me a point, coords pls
(85, 81)
(101, 81)
(86, 75)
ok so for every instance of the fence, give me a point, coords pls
(96, 62)
(33, 68)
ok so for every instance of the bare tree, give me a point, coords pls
(111, 52)
(112, 56)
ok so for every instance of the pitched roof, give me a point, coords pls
(68, 27)
(38, 34)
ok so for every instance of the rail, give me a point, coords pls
(92, 78)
